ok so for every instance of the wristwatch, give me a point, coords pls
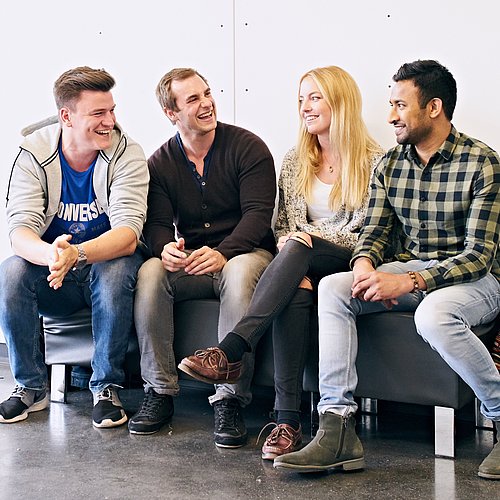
(81, 261)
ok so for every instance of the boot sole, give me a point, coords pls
(201, 378)
(347, 465)
(489, 476)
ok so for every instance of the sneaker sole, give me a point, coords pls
(40, 405)
(109, 424)
(237, 443)
(143, 433)
(201, 378)
(221, 445)
(148, 432)
(347, 465)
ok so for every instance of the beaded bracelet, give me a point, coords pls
(413, 277)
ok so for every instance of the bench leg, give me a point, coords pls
(368, 405)
(58, 384)
(444, 432)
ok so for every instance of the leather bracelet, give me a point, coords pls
(413, 277)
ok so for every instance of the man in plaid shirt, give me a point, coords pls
(440, 190)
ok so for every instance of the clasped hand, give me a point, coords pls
(201, 261)
(377, 286)
(61, 259)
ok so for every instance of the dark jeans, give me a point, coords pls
(278, 299)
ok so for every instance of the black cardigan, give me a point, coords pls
(234, 210)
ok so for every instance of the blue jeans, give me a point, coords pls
(158, 290)
(107, 287)
(443, 318)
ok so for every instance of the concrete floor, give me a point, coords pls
(57, 454)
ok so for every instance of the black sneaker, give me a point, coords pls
(230, 430)
(108, 411)
(22, 402)
(156, 410)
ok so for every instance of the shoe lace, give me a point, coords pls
(263, 429)
(105, 395)
(280, 431)
(18, 392)
(214, 358)
(227, 417)
(150, 404)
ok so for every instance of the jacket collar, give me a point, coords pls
(42, 142)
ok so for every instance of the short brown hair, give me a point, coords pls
(164, 87)
(72, 83)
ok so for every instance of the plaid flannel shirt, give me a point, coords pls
(448, 210)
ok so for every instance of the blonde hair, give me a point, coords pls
(348, 133)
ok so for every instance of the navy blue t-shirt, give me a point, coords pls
(79, 213)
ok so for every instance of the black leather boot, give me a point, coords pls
(335, 445)
(490, 468)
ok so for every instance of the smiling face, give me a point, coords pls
(89, 122)
(196, 114)
(412, 124)
(313, 108)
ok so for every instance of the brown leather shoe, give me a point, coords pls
(283, 439)
(211, 366)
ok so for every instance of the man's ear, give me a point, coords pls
(171, 115)
(65, 116)
(435, 107)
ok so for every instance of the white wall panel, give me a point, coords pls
(137, 42)
(277, 41)
(252, 52)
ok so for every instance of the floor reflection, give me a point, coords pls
(444, 478)
(57, 424)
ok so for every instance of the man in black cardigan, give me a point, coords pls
(211, 200)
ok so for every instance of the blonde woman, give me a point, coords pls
(323, 195)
